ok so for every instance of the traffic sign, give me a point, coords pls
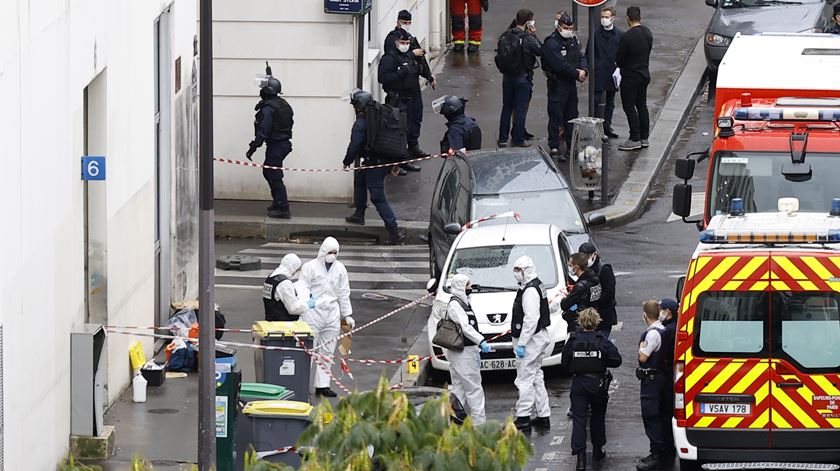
(590, 3)
(348, 7)
(93, 168)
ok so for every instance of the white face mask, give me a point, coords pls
(531, 23)
(591, 260)
(572, 274)
(662, 316)
(403, 47)
(556, 24)
(567, 34)
(520, 277)
(406, 28)
(607, 23)
(331, 258)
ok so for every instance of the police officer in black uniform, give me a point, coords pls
(273, 125)
(462, 131)
(280, 297)
(668, 309)
(652, 372)
(587, 355)
(606, 277)
(369, 180)
(564, 65)
(585, 293)
(399, 74)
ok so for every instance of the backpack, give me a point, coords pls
(386, 133)
(510, 54)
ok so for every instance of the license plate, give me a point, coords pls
(725, 409)
(501, 364)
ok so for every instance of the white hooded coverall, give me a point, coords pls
(464, 366)
(331, 289)
(285, 292)
(529, 375)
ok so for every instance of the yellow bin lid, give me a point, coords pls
(281, 329)
(278, 409)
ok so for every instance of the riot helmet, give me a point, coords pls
(360, 99)
(449, 105)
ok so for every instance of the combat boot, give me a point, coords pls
(523, 423)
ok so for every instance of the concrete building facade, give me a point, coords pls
(314, 54)
(111, 78)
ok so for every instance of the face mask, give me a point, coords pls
(531, 23)
(468, 291)
(607, 23)
(567, 34)
(403, 47)
(331, 258)
(591, 261)
(573, 277)
(662, 316)
(520, 277)
(405, 28)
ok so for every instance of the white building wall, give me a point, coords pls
(314, 56)
(50, 50)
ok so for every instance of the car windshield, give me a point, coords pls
(536, 207)
(757, 179)
(491, 268)
(762, 3)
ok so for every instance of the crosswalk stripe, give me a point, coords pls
(349, 248)
(310, 254)
(353, 276)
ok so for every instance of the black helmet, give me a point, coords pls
(360, 99)
(449, 105)
(272, 86)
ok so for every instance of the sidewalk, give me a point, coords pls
(164, 429)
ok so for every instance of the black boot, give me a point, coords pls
(395, 237)
(472, 49)
(356, 218)
(416, 152)
(599, 453)
(523, 423)
(279, 214)
(541, 422)
(458, 47)
(326, 392)
(649, 463)
(581, 461)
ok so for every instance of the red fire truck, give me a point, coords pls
(777, 127)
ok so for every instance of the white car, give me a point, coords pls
(486, 255)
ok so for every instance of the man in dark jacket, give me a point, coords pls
(369, 180)
(564, 66)
(273, 126)
(606, 277)
(462, 132)
(633, 57)
(390, 46)
(518, 82)
(606, 37)
(399, 74)
(585, 293)
(834, 26)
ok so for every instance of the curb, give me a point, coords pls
(275, 229)
(629, 204)
(419, 348)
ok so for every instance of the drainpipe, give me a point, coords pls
(435, 33)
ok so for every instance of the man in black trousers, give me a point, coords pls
(633, 58)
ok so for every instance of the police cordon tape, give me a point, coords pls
(341, 169)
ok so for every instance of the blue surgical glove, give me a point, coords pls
(519, 351)
(311, 303)
(574, 308)
(484, 347)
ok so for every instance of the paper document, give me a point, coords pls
(617, 78)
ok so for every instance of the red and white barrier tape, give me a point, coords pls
(278, 451)
(508, 214)
(349, 169)
(323, 362)
(236, 331)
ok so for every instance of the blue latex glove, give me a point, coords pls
(484, 347)
(519, 351)
(311, 303)
(574, 308)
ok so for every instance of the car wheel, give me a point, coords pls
(687, 465)
(438, 377)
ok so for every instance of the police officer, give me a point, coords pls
(564, 65)
(462, 132)
(654, 381)
(280, 298)
(369, 180)
(586, 291)
(273, 125)
(668, 309)
(465, 371)
(834, 26)
(587, 355)
(399, 74)
(529, 328)
(606, 277)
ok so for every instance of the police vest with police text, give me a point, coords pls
(470, 319)
(275, 310)
(656, 360)
(518, 315)
(587, 356)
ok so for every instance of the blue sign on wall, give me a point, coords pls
(348, 7)
(93, 168)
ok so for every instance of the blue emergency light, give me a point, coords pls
(736, 207)
(835, 207)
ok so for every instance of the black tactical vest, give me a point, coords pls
(470, 318)
(587, 356)
(275, 310)
(281, 126)
(518, 316)
(656, 360)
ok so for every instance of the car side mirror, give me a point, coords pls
(681, 204)
(684, 168)
(712, 3)
(680, 285)
(432, 285)
(596, 219)
(453, 228)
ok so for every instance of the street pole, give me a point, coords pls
(360, 76)
(575, 13)
(206, 267)
(593, 24)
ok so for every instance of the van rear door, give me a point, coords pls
(727, 370)
(805, 350)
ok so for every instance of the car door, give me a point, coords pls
(805, 352)
(444, 204)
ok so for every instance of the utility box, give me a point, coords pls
(87, 381)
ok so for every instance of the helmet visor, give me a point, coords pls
(261, 80)
(437, 104)
(349, 97)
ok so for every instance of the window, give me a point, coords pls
(730, 323)
(448, 193)
(809, 329)
(492, 267)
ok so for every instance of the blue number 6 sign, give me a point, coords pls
(93, 168)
